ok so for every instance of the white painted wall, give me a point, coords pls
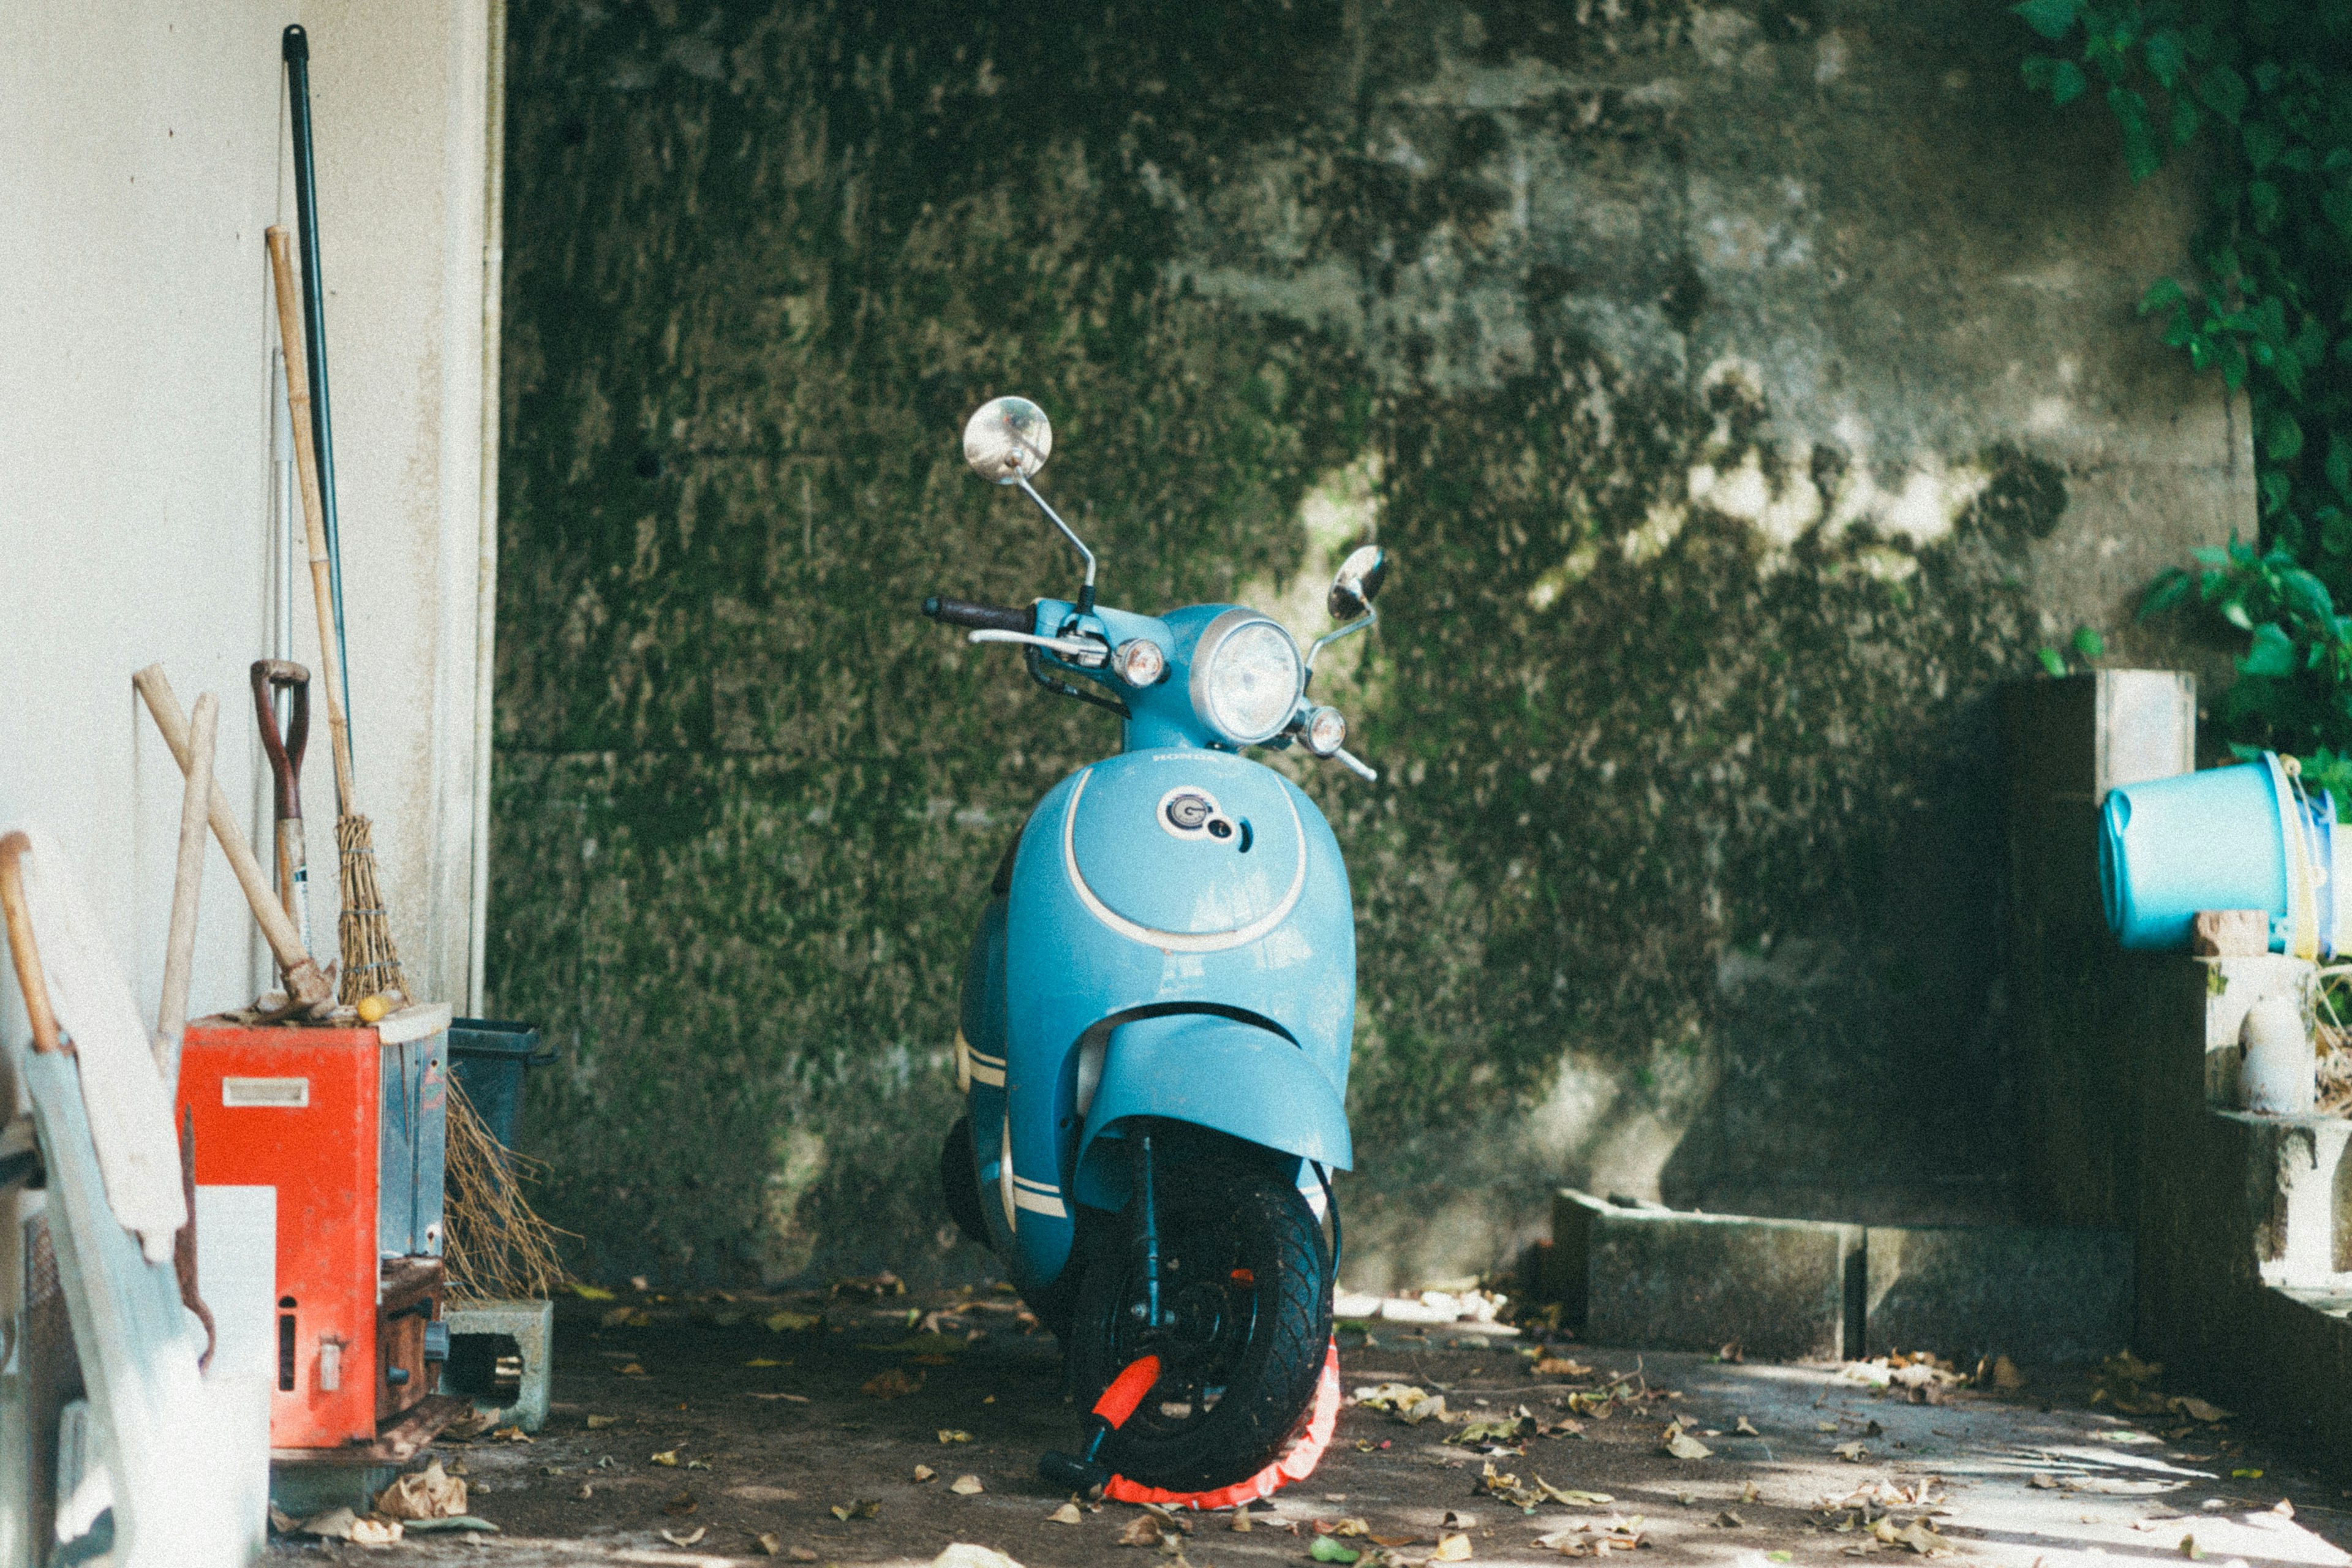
(142, 152)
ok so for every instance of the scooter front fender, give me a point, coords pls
(1221, 1073)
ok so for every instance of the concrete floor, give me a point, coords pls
(2037, 1477)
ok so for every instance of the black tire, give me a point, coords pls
(1244, 1270)
(961, 1183)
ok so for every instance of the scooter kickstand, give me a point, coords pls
(1086, 1473)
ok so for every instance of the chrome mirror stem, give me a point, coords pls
(1086, 595)
(1369, 618)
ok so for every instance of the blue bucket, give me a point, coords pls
(2219, 839)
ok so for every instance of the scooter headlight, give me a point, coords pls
(1246, 677)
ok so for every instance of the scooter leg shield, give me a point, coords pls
(1224, 1074)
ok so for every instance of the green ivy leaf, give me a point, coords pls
(2165, 57)
(2089, 643)
(2308, 596)
(2223, 91)
(2054, 19)
(2275, 488)
(2142, 155)
(2171, 587)
(2164, 294)
(2335, 531)
(2067, 82)
(2264, 143)
(2339, 463)
(2271, 653)
(2282, 437)
(2263, 196)
(2184, 119)
(2052, 661)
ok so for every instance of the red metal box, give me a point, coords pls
(299, 1109)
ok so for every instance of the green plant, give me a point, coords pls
(2264, 87)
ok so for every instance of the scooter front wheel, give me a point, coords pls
(1246, 1311)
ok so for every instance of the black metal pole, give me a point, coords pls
(295, 44)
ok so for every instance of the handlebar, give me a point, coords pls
(984, 617)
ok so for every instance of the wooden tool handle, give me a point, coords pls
(286, 752)
(187, 883)
(314, 525)
(284, 940)
(21, 948)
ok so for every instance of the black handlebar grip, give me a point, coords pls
(987, 618)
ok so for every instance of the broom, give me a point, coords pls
(370, 964)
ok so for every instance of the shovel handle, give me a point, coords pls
(286, 750)
(29, 978)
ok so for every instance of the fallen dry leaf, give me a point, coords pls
(1143, 1530)
(680, 1506)
(1682, 1444)
(1066, 1514)
(1561, 1366)
(598, 1423)
(2006, 1376)
(511, 1435)
(2198, 1410)
(925, 1473)
(1744, 1428)
(802, 1554)
(1452, 1549)
(949, 1435)
(667, 1456)
(690, 1538)
(796, 1398)
(789, 1322)
(857, 1508)
(964, 1554)
(429, 1493)
(630, 1368)
(764, 1361)
(769, 1542)
(1749, 1493)
(966, 1486)
(1851, 1453)
(894, 1383)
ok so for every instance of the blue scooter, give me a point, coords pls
(1155, 1018)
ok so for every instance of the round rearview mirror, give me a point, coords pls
(1358, 582)
(1007, 438)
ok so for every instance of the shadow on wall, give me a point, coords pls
(1652, 355)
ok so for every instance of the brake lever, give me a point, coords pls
(1090, 655)
(1369, 775)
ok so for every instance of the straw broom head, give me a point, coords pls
(371, 963)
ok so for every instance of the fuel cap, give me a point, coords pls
(1186, 811)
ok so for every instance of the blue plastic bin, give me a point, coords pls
(2216, 840)
(487, 1057)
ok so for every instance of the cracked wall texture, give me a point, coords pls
(1743, 393)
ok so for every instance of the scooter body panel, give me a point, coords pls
(1114, 919)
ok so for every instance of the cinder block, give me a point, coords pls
(1661, 1279)
(2037, 1295)
(477, 1335)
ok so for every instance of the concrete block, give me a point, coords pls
(1659, 1277)
(478, 1334)
(2036, 1294)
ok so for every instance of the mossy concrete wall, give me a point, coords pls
(1742, 392)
